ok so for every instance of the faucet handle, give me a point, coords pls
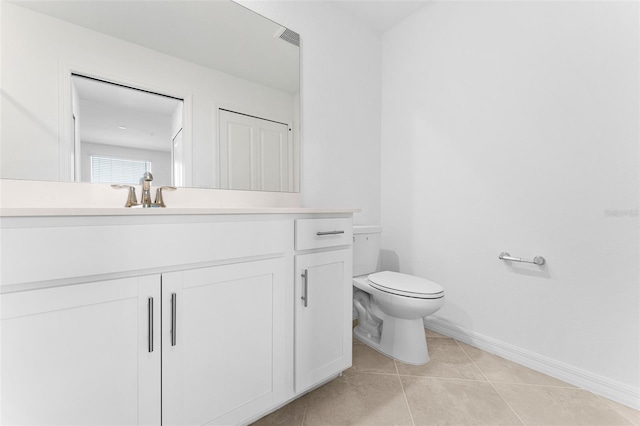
(159, 200)
(132, 200)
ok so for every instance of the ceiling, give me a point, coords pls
(111, 114)
(380, 15)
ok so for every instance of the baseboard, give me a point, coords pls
(599, 385)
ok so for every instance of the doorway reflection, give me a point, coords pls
(121, 130)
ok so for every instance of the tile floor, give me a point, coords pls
(460, 385)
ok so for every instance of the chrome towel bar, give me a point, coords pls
(538, 260)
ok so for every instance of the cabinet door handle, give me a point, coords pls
(150, 313)
(174, 314)
(321, 233)
(305, 288)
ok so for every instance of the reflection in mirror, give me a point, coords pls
(212, 55)
(255, 153)
(123, 132)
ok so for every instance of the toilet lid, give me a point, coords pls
(405, 285)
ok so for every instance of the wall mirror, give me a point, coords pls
(203, 93)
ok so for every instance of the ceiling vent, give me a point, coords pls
(289, 36)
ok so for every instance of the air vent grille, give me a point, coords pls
(290, 36)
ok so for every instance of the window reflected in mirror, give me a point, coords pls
(118, 170)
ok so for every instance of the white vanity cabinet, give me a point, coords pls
(323, 300)
(173, 320)
(224, 342)
(82, 354)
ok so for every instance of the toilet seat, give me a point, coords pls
(405, 285)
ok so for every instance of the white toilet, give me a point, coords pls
(390, 305)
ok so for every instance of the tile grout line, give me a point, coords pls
(491, 383)
(485, 380)
(304, 413)
(454, 379)
(534, 385)
(607, 403)
(377, 373)
(406, 400)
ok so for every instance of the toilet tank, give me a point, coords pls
(366, 249)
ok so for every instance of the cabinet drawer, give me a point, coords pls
(66, 252)
(319, 233)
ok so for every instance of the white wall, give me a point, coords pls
(36, 49)
(514, 126)
(340, 108)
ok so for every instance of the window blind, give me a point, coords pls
(118, 170)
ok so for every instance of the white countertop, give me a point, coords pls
(123, 211)
(21, 198)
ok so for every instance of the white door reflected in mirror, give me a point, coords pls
(255, 153)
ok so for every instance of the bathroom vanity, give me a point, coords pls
(170, 316)
(178, 316)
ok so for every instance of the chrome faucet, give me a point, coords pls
(146, 180)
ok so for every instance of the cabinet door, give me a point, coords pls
(224, 348)
(82, 354)
(323, 316)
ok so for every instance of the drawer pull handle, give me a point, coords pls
(321, 233)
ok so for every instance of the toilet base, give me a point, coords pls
(401, 339)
